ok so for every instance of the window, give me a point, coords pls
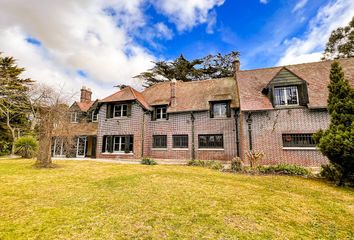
(285, 96)
(159, 141)
(94, 116)
(120, 110)
(219, 109)
(118, 144)
(180, 141)
(161, 112)
(73, 117)
(298, 140)
(211, 141)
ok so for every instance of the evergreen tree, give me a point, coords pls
(211, 66)
(14, 99)
(337, 142)
(341, 43)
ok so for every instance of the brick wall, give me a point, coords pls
(267, 129)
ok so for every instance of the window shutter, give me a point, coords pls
(271, 94)
(228, 110)
(303, 95)
(129, 110)
(127, 144)
(153, 115)
(211, 110)
(104, 143)
(109, 112)
(167, 116)
(110, 144)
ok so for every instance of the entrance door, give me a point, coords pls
(81, 147)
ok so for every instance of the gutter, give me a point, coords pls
(249, 123)
(237, 116)
(193, 143)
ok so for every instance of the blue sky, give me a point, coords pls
(99, 44)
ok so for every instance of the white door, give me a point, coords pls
(81, 147)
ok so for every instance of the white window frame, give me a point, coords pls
(219, 112)
(73, 120)
(285, 96)
(161, 110)
(93, 118)
(121, 110)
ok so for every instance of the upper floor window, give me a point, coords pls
(298, 140)
(284, 96)
(74, 118)
(211, 141)
(94, 116)
(120, 110)
(159, 141)
(220, 109)
(159, 113)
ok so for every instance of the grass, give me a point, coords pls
(89, 200)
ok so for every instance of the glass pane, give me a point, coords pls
(292, 95)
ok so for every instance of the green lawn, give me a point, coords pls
(89, 200)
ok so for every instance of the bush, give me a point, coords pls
(331, 172)
(26, 146)
(236, 164)
(254, 158)
(148, 161)
(5, 148)
(286, 169)
(206, 163)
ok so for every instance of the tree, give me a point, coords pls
(14, 103)
(337, 142)
(341, 43)
(211, 66)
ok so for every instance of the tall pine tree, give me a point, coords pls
(337, 142)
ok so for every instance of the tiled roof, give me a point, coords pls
(193, 96)
(84, 106)
(251, 82)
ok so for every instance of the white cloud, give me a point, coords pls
(310, 47)
(263, 1)
(187, 13)
(299, 5)
(94, 36)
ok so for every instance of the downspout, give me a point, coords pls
(249, 122)
(237, 115)
(193, 144)
(143, 135)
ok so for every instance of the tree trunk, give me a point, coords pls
(12, 134)
(44, 157)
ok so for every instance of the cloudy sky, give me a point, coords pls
(101, 43)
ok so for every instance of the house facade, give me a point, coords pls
(272, 110)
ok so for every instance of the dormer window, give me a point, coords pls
(220, 109)
(94, 116)
(73, 117)
(286, 96)
(159, 113)
(120, 110)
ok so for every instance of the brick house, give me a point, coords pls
(281, 107)
(273, 110)
(83, 125)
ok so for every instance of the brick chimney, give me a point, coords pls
(237, 65)
(85, 94)
(173, 100)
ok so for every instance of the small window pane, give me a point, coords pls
(219, 109)
(286, 95)
(161, 112)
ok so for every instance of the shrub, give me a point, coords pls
(26, 146)
(206, 163)
(148, 161)
(5, 148)
(286, 169)
(331, 172)
(254, 158)
(236, 164)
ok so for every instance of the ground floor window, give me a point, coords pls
(118, 144)
(180, 141)
(298, 140)
(159, 141)
(211, 141)
(58, 146)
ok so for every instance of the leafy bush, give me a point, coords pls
(148, 161)
(206, 163)
(286, 169)
(5, 148)
(236, 164)
(26, 146)
(254, 158)
(331, 172)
